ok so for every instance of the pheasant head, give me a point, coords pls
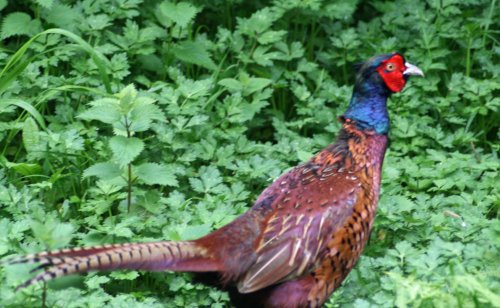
(376, 80)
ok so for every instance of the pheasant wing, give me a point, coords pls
(305, 212)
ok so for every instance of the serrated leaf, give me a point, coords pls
(31, 136)
(152, 173)
(181, 13)
(142, 116)
(231, 84)
(104, 171)
(19, 24)
(196, 89)
(45, 3)
(256, 84)
(109, 114)
(265, 58)
(208, 181)
(151, 201)
(53, 233)
(194, 53)
(64, 16)
(95, 282)
(127, 96)
(124, 149)
(271, 37)
(121, 275)
(194, 232)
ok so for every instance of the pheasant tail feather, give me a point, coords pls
(156, 256)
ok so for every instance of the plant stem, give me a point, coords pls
(129, 172)
(467, 57)
(44, 295)
(129, 187)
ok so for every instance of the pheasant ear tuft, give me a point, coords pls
(357, 66)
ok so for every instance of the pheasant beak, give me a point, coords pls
(412, 70)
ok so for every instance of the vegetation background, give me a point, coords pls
(141, 120)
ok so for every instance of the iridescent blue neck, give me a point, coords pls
(368, 106)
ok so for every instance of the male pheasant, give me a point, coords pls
(304, 233)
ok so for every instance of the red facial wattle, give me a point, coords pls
(391, 72)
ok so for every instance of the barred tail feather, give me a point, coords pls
(156, 256)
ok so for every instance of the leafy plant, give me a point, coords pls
(165, 120)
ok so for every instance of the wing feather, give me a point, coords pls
(294, 236)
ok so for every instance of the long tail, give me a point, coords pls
(156, 256)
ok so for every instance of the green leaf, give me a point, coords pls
(125, 150)
(31, 136)
(25, 168)
(142, 116)
(181, 13)
(45, 3)
(4, 103)
(152, 173)
(19, 24)
(196, 89)
(253, 84)
(231, 84)
(55, 234)
(194, 232)
(64, 16)
(104, 171)
(209, 181)
(263, 57)
(271, 37)
(194, 53)
(151, 201)
(127, 96)
(122, 275)
(109, 114)
(95, 282)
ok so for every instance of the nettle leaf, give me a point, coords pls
(127, 96)
(195, 53)
(19, 24)
(181, 13)
(152, 173)
(143, 114)
(104, 171)
(195, 89)
(125, 150)
(53, 233)
(64, 16)
(105, 110)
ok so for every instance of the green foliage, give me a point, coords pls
(227, 96)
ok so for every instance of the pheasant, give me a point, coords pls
(303, 234)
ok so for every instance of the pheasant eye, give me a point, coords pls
(390, 67)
